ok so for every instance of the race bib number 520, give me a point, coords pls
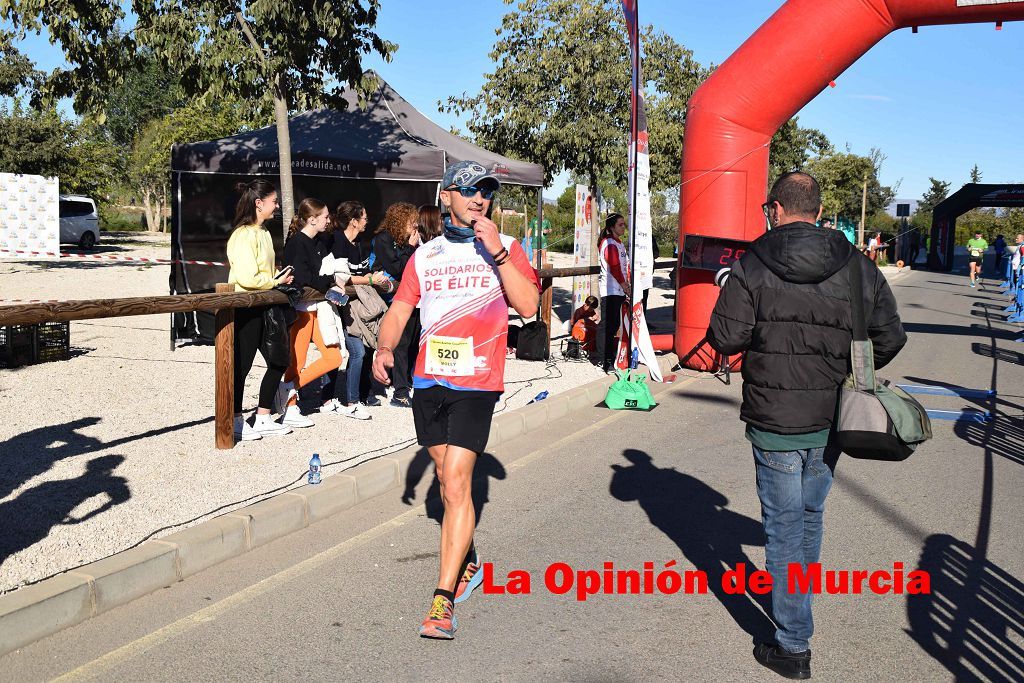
(450, 356)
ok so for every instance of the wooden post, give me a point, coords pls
(224, 373)
(547, 291)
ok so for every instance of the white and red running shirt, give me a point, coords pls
(463, 312)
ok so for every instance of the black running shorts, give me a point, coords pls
(449, 416)
(977, 259)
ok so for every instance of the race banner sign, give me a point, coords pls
(29, 214)
(582, 234)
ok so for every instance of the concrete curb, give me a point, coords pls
(41, 609)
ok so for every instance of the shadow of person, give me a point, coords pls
(973, 619)
(695, 517)
(29, 517)
(32, 453)
(487, 467)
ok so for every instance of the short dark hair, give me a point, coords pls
(797, 192)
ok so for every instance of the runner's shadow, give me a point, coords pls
(34, 452)
(487, 467)
(29, 518)
(972, 622)
(696, 518)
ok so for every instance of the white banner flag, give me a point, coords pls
(29, 215)
(582, 233)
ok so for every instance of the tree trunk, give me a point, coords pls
(284, 151)
(147, 207)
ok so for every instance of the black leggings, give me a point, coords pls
(405, 355)
(248, 333)
(611, 317)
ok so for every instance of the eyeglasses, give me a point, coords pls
(470, 192)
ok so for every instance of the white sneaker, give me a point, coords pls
(332, 407)
(293, 417)
(356, 411)
(285, 391)
(243, 432)
(265, 426)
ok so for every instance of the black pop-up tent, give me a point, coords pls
(387, 153)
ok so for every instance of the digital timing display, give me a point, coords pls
(711, 253)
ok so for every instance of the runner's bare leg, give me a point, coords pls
(454, 466)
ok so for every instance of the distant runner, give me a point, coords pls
(976, 248)
(463, 281)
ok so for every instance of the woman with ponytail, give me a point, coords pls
(251, 257)
(305, 252)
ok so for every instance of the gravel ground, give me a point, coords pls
(115, 445)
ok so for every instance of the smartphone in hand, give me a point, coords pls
(281, 273)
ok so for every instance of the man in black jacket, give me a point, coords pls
(787, 305)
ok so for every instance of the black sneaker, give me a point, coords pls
(401, 402)
(372, 401)
(796, 665)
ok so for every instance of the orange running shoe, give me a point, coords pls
(471, 578)
(440, 622)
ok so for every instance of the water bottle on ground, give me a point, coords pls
(314, 469)
(539, 397)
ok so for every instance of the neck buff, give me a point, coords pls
(453, 233)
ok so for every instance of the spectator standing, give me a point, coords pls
(304, 252)
(393, 246)
(915, 246)
(353, 260)
(787, 305)
(430, 225)
(251, 259)
(875, 246)
(1000, 246)
(612, 285)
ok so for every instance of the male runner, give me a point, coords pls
(976, 249)
(463, 281)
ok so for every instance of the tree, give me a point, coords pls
(150, 160)
(17, 72)
(792, 147)
(539, 105)
(44, 142)
(841, 177)
(938, 191)
(297, 54)
(975, 174)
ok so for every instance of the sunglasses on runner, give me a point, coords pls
(470, 192)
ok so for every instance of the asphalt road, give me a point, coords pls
(343, 598)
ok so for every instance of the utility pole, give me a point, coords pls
(863, 211)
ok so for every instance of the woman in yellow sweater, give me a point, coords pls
(251, 256)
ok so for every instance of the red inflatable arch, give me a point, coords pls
(804, 46)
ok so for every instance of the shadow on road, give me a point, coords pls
(487, 467)
(973, 620)
(696, 518)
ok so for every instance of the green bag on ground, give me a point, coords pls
(629, 393)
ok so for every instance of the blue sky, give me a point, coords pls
(935, 103)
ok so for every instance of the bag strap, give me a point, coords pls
(862, 357)
(860, 326)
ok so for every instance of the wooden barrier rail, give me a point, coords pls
(222, 303)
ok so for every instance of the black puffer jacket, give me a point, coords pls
(787, 304)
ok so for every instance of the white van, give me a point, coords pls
(79, 222)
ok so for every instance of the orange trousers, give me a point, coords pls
(304, 329)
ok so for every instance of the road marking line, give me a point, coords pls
(211, 612)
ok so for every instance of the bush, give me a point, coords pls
(118, 219)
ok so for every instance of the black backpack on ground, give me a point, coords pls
(533, 341)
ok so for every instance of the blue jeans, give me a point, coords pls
(792, 486)
(354, 370)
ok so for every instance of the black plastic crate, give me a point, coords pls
(31, 344)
